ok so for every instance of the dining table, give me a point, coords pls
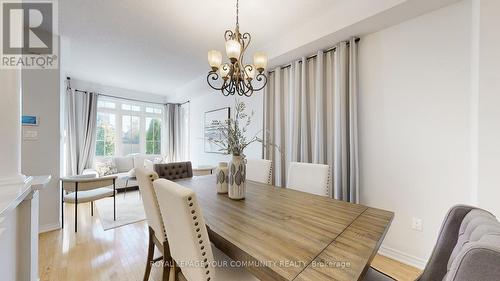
(282, 234)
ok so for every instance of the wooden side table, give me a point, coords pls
(203, 170)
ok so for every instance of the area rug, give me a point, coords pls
(129, 209)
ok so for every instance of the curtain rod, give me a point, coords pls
(129, 99)
(332, 49)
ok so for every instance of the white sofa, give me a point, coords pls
(125, 166)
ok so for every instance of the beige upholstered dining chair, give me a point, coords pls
(259, 170)
(84, 189)
(194, 258)
(310, 178)
(157, 234)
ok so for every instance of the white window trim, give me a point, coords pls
(142, 114)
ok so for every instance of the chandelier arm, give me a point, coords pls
(224, 87)
(248, 37)
(261, 77)
(248, 68)
(228, 34)
(249, 93)
(244, 88)
(213, 76)
(250, 89)
(230, 88)
(239, 88)
(225, 90)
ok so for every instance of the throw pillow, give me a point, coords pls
(106, 168)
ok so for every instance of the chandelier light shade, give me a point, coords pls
(236, 77)
(233, 50)
(214, 59)
(260, 60)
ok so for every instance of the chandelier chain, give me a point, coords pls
(237, 12)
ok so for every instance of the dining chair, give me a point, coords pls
(156, 229)
(310, 178)
(194, 258)
(468, 248)
(259, 170)
(84, 189)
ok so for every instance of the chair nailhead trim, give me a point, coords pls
(200, 241)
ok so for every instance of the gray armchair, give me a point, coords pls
(468, 248)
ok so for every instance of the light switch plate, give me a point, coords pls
(30, 135)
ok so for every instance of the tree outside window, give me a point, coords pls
(131, 134)
(106, 134)
(153, 135)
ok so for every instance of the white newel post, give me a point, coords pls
(10, 112)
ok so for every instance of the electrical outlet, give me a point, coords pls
(416, 224)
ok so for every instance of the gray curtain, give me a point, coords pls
(176, 130)
(310, 112)
(81, 124)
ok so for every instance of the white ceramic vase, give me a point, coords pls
(222, 176)
(237, 178)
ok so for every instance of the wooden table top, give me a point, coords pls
(283, 234)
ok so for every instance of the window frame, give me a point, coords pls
(142, 114)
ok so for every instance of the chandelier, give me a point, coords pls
(237, 78)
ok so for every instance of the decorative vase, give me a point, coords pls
(222, 176)
(237, 178)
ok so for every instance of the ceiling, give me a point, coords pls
(157, 46)
(160, 46)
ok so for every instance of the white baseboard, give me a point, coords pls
(402, 257)
(49, 227)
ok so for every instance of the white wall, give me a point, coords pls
(115, 91)
(414, 124)
(207, 99)
(41, 97)
(41, 156)
(489, 105)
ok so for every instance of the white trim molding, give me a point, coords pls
(402, 257)
(49, 227)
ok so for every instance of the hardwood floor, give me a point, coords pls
(120, 253)
(395, 269)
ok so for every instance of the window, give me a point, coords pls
(131, 107)
(131, 134)
(153, 135)
(153, 110)
(125, 127)
(106, 104)
(106, 134)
